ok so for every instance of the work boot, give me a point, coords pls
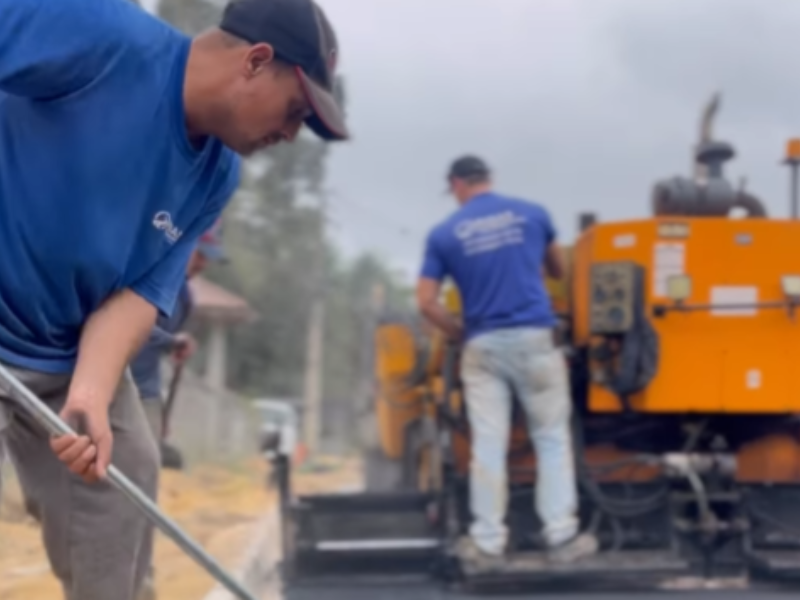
(474, 559)
(575, 548)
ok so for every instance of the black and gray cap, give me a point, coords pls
(468, 166)
(302, 36)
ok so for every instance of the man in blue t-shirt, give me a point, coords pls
(493, 248)
(118, 148)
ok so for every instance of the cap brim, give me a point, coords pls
(328, 119)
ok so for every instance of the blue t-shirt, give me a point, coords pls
(493, 249)
(100, 187)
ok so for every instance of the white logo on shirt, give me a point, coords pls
(163, 222)
(492, 232)
(504, 220)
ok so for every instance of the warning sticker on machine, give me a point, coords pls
(625, 240)
(753, 379)
(734, 301)
(669, 260)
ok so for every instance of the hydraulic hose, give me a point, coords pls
(625, 508)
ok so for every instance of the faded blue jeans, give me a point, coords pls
(523, 360)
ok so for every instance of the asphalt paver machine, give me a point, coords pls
(682, 336)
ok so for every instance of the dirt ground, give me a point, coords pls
(217, 507)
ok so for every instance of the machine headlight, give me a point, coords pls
(679, 287)
(791, 285)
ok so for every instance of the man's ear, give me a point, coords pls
(259, 58)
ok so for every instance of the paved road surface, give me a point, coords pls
(427, 592)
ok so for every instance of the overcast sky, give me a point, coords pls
(577, 104)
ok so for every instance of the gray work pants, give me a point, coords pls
(154, 411)
(99, 545)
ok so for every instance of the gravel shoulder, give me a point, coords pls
(219, 507)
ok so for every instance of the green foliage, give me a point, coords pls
(190, 16)
(275, 245)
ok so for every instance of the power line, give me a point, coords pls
(385, 221)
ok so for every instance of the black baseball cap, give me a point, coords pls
(468, 166)
(301, 36)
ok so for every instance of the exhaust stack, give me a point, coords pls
(708, 193)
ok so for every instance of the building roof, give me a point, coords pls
(214, 303)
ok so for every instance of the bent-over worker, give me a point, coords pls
(118, 142)
(493, 248)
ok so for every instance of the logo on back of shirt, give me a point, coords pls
(491, 232)
(163, 222)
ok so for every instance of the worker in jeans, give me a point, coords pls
(493, 248)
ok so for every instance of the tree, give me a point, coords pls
(190, 16)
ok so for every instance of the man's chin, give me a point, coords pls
(243, 150)
(251, 148)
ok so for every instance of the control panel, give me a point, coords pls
(611, 306)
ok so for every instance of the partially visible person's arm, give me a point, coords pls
(184, 345)
(161, 338)
(180, 345)
(428, 287)
(433, 310)
(554, 262)
(110, 339)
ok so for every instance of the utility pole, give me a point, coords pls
(312, 396)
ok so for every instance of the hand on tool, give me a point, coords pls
(89, 454)
(184, 348)
(456, 335)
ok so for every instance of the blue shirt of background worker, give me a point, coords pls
(493, 248)
(168, 335)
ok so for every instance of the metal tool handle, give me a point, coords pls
(170, 403)
(56, 426)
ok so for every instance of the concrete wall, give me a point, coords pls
(208, 426)
(211, 425)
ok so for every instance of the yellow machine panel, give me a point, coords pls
(398, 398)
(731, 346)
(560, 290)
(452, 299)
